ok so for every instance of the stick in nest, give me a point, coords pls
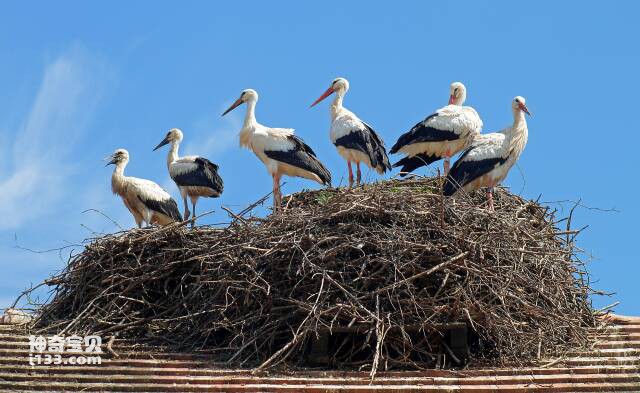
(384, 269)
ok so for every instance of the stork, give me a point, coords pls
(441, 135)
(354, 139)
(195, 176)
(488, 160)
(147, 201)
(282, 152)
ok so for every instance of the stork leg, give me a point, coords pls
(490, 198)
(279, 193)
(447, 165)
(186, 208)
(148, 218)
(350, 174)
(359, 174)
(193, 203)
(277, 198)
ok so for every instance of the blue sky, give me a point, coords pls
(80, 79)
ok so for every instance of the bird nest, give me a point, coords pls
(377, 276)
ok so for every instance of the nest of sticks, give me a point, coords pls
(377, 275)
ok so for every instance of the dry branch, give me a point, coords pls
(382, 269)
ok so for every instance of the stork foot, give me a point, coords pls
(447, 166)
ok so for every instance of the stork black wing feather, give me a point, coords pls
(369, 142)
(410, 164)
(301, 156)
(379, 148)
(464, 172)
(205, 175)
(423, 133)
(167, 207)
(301, 145)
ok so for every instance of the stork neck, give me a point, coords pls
(519, 119)
(336, 105)
(518, 134)
(117, 178)
(250, 116)
(119, 169)
(173, 152)
(459, 100)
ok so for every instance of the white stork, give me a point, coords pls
(195, 176)
(282, 152)
(441, 135)
(355, 140)
(488, 160)
(147, 201)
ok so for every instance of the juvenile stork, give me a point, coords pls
(488, 160)
(147, 201)
(195, 176)
(441, 135)
(355, 140)
(279, 149)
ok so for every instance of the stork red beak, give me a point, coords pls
(452, 99)
(323, 96)
(524, 108)
(233, 106)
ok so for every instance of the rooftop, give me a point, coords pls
(613, 364)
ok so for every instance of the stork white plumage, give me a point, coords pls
(195, 176)
(488, 160)
(282, 152)
(441, 135)
(147, 201)
(354, 139)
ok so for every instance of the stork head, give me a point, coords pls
(118, 156)
(457, 93)
(518, 105)
(174, 135)
(248, 95)
(339, 86)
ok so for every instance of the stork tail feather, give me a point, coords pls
(409, 164)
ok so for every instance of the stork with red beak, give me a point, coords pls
(354, 139)
(487, 161)
(281, 152)
(441, 135)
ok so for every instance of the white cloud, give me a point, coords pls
(40, 163)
